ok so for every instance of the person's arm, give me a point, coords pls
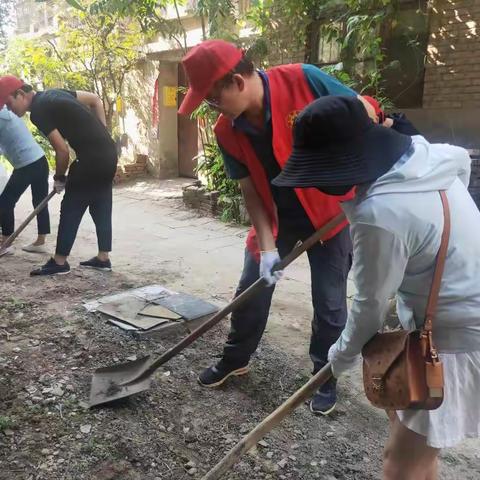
(253, 203)
(380, 260)
(464, 165)
(269, 256)
(369, 108)
(322, 84)
(400, 123)
(94, 102)
(62, 153)
(258, 215)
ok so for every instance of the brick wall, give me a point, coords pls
(130, 171)
(196, 197)
(452, 77)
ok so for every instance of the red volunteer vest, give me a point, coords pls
(289, 94)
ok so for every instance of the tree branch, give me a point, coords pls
(59, 56)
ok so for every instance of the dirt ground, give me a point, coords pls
(49, 347)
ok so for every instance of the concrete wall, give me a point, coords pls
(158, 142)
(142, 136)
(167, 125)
(441, 125)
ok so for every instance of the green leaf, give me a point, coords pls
(75, 4)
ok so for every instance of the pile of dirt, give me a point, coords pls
(176, 430)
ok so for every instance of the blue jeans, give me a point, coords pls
(329, 267)
(34, 175)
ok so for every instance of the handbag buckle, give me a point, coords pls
(377, 384)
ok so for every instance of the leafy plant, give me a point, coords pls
(219, 18)
(88, 52)
(6, 423)
(282, 25)
(104, 48)
(340, 74)
(355, 25)
(212, 169)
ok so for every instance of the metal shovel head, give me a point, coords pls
(115, 382)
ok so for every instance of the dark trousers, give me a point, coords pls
(34, 175)
(77, 198)
(329, 267)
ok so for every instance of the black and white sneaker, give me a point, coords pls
(51, 268)
(97, 264)
(215, 376)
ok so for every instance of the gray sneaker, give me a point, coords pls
(325, 400)
(97, 264)
(51, 268)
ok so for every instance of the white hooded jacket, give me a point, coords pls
(396, 225)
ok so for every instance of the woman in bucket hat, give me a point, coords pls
(396, 222)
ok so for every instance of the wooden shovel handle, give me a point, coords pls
(22, 227)
(247, 442)
(242, 298)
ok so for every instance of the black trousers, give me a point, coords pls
(82, 193)
(329, 267)
(34, 176)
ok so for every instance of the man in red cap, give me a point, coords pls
(254, 132)
(78, 118)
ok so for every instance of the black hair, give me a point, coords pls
(24, 88)
(244, 67)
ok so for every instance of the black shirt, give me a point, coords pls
(402, 124)
(59, 109)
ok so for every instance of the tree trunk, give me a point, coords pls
(109, 118)
(310, 36)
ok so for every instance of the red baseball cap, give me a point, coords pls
(205, 64)
(8, 85)
(376, 105)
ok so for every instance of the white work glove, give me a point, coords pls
(268, 259)
(59, 186)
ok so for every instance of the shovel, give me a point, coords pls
(247, 442)
(126, 379)
(22, 227)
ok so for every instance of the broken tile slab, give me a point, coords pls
(123, 310)
(126, 310)
(159, 311)
(148, 293)
(188, 306)
(122, 325)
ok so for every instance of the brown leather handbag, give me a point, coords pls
(401, 369)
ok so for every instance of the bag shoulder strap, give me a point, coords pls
(439, 266)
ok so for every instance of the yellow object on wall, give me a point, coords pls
(119, 105)
(169, 96)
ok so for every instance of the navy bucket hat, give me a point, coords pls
(336, 143)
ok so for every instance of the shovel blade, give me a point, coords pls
(118, 381)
